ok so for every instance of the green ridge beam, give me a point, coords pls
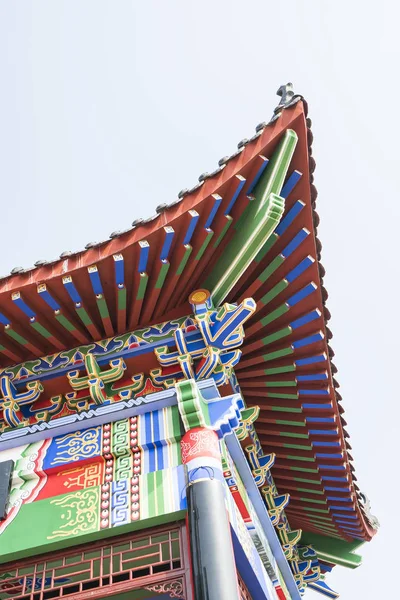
(262, 216)
(334, 551)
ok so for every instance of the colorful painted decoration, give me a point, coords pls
(167, 398)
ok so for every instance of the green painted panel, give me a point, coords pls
(271, 268)
(182, 264)
(144, 278)
(276, 370)
(84, 316)
(273, 292)
(42, 330)
(287, 409)
(78, 517)
(65, 323)
(277, 335)
(274, 384)
(267, 246)
(13, 334)
(334, 550)
(210, 235)
(221, 236)
(278, 354)
(162, 275)
(275, 314)
(122, 299)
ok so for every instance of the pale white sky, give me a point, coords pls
(109, 108)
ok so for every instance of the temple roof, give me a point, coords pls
(145, 274)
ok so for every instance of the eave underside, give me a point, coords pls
(146, 275)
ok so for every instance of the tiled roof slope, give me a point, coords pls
(145, 274)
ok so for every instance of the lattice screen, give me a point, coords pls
(125, 563)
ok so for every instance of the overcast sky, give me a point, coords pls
(109, 108)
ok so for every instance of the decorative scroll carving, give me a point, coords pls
(213, 352)
(248, 416)
(12, 400)
(80, 513)
(199, 442)
(96, 379)
(174, 588)
(77, 445)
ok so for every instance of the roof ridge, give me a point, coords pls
(287, 99)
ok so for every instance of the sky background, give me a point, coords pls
(109, 108)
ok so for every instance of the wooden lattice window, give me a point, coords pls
(102, 569)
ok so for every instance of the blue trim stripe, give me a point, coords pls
(318, 407)
(194, 217)
(329, 488)
(49, 300)
(149, 444)
(301, 267)
(96, 282)
(343, 508)
(290, 183)
(4, 320)
(295, 243)
(258, 175)
(144, 256)
(341, 518)
(301, 294)
(332, 467)
(313, 377)
(217, 204)
(72, 291)
(312, 339)
(24, 307)
(315, 392)
(321, 431)
(119, 269)
(310, 360)
(169, 236)
(336, 499)
(327, 444)
(235, 196)
(332, 478)
(311, 316)
(328, 456)
(320, 420)
(290, 217)
(351, 530)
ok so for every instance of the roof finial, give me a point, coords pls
(366, 504)
(286, 92)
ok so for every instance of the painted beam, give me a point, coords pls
(59, 314)
(101, 301)
(335, 551)
(81, 311)
(98, 415)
